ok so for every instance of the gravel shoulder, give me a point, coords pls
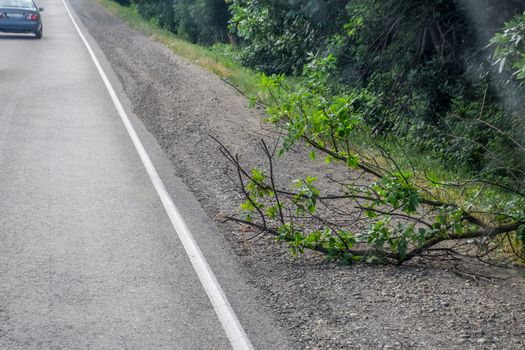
(323, 306)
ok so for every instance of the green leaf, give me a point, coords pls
(252, 102)
(271, 212)
(352, 161)
(371, 214)
(521, 235)
(311, 155)
(402, 247)
(458, 228)
(412, 203)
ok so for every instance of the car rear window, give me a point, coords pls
(23, 4)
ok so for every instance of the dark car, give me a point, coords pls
(20, 16)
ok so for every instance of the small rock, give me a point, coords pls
(481, 341)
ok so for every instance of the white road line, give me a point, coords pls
(227, 317)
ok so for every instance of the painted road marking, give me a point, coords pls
(236, 334)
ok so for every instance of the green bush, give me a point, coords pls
(123, 2)
(277, 36)
(200, 21)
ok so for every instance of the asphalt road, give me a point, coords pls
(88, 256)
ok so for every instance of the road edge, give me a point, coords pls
(227, 317)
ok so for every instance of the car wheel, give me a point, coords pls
(38, 34)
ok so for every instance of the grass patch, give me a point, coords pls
(241, 77)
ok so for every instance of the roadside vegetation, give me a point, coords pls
(216, 60)
(417, 105)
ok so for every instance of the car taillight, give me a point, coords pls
(32, 16)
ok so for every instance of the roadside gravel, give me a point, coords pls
(323, 306)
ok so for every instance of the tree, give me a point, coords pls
(201, 21)
(423, 60)
(277, 36)
(510, 48)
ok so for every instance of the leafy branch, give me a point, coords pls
(379, 208)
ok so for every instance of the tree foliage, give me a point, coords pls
(201, 21)
(379, 207)
(510, 47)
(425, 61)
(277, 36)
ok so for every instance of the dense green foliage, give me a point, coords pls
(425, 61)
(278, 36)
(202, 21)
(510, 47)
